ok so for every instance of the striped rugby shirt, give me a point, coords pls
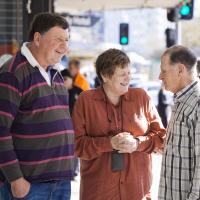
(180, 172)
(36, 133)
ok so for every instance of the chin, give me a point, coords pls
(124, 91)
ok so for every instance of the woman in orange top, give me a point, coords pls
(117, 128)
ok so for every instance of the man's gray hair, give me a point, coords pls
(183, 55)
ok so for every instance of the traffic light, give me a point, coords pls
(186, 9)
(171, 14)
(123, 33)
(171, 37)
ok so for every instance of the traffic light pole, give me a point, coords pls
(178, 28)
(178, 31)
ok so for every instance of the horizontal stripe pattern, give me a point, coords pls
(37, 137)
(7, 106)
(12, 97)
(7, 156)
(4, 85)
(65, 165)
(5, 138)
(2, 113)
(42, 135)
(46, 160)
(56, 107)
(48, 127)
(41, 117)
(17, 61)
(32, 81)
(45, 102)
(38, 143)
(11, 171)
(30, 156)
(6, 163)
(4, 131)
(6, 144)
(34, 86)
(9, 81)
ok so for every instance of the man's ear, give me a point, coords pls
(181, 69)
(37, 38)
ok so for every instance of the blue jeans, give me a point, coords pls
(55, 190)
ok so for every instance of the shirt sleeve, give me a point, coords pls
(9, 102)
(194, 192)
(87, 147)
(153, 139)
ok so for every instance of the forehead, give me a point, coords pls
(72, 66)
(120, 69)
(57, 31)
(165, 61)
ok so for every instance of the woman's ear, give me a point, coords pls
(104, 78)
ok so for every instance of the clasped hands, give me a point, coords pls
(124, 142)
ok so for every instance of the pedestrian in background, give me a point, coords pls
(73, 90)
(117, 128)
(36, 133)
(180, 172)
(164, 104)
(79, 80)
(198, 68)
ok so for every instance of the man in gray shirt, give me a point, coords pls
(180, 172)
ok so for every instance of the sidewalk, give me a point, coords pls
(156, 176)
(75, 189)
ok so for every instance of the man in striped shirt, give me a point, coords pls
(36, 133)
(180, 172)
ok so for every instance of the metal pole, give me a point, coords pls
(179, 32)
(178, 28)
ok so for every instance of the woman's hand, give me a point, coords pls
(124, 142)
(128, 145)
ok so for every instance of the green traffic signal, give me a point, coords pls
(185, 10)
(123, 33)
(124, 40)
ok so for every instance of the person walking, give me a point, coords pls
(78, 79)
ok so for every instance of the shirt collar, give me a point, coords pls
(180, 96)
(34, 63)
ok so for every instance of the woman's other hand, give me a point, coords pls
(124, 142)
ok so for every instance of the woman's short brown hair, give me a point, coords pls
(108, 61)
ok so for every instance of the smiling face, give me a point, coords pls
(118, 83)
(169, 74)
(51, 45)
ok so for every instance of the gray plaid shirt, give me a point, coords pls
(180, 173)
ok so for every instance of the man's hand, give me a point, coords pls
(20, 188)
